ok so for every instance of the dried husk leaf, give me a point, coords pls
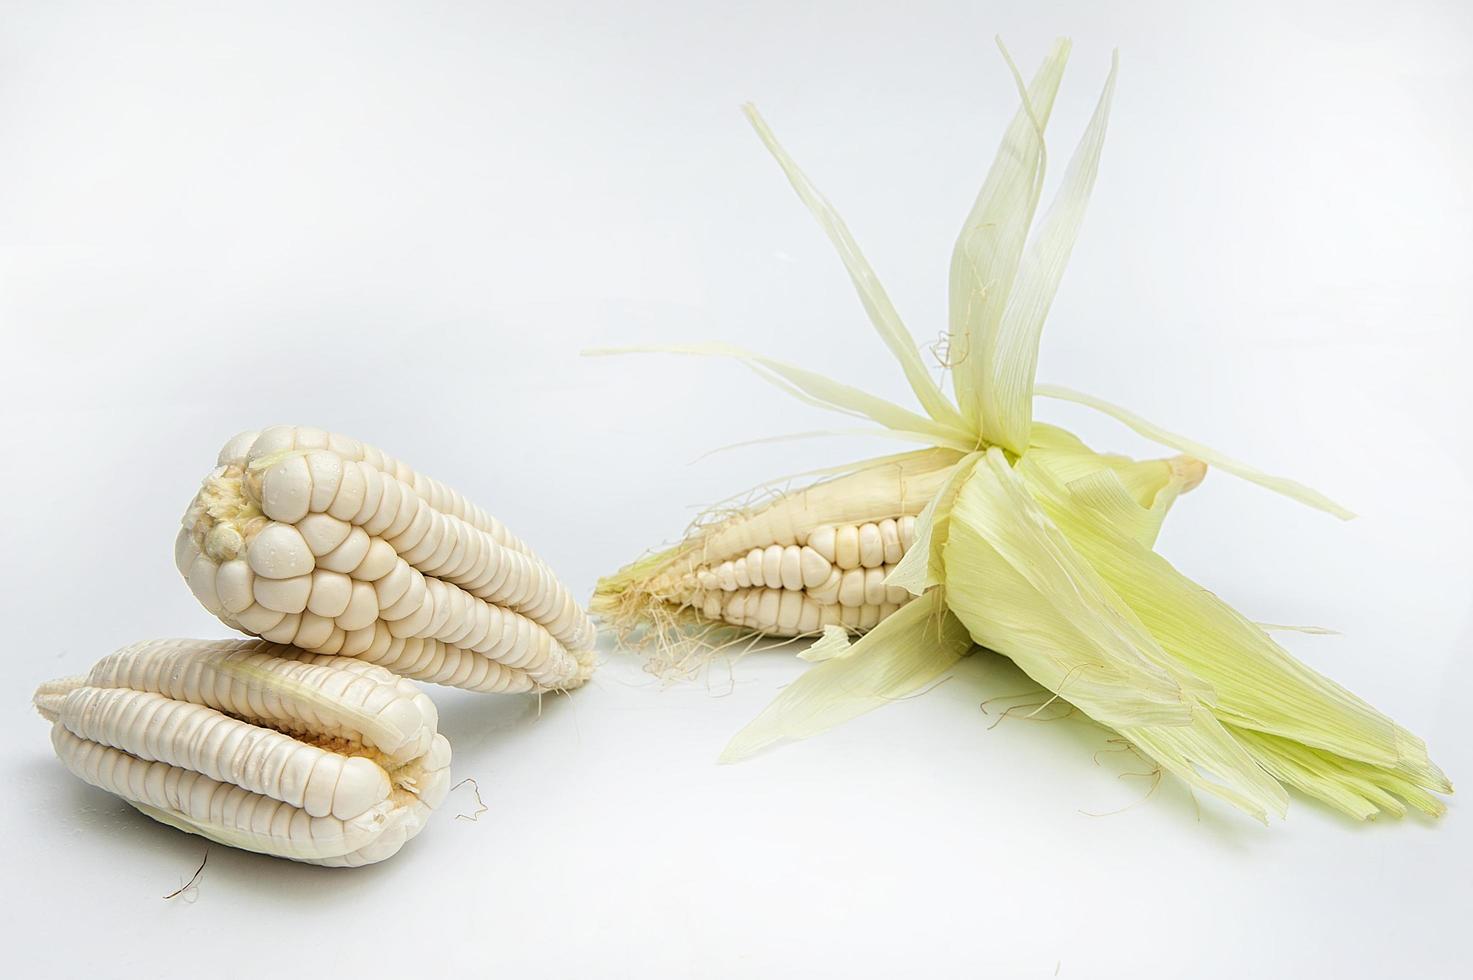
(902, 655)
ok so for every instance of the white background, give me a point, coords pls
(404, 221)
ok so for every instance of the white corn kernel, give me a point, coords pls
(767, 607)
(828, 592)
(286, 490)
(846, 547)
(851, 588)
(286, 595)
(348, 555)
(726, 575)
(907, 528)
(874, 586)
(754, 568)
(789, 610)
(323, 534)
(330, 593)
(233, 582)
(871, 548)
(791, 571)
(815, 568)
(890, 541)
(808, 620)
(772, 566)
(278, 551)
(822, 541)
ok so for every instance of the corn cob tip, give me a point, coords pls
(49, 696)
(1190, 470)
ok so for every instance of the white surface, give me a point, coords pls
(403, 222)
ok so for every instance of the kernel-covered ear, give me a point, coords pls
(314, 758)
(796, 565)
(313, 539)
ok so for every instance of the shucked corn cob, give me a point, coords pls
(313, 539)
(315, 758)
(1026, 542)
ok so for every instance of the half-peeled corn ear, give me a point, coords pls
(821, 556)
(320, 759)
(1025, 541)
(309, 538)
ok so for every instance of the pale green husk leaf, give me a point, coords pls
(1016, 359)
(1022, 590)
(990, 246)
(818, 390)
(921, 567)
(1289, 488)
(872, 295)
(905, 652)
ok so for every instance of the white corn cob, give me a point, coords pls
(835, 577)
(316, 758)
(815, 558)
(313, 539)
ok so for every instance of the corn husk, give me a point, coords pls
(1035, 546)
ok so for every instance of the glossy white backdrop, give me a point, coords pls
(403, 221)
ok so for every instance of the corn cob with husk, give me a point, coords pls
(323, 542)
(1024, 541)
(823, 556)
